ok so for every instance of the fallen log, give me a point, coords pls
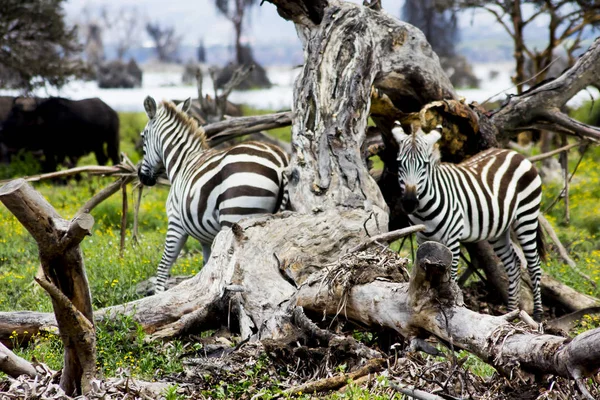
(432, 302)
(13, 365)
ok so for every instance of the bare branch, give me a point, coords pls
(549, 154)
(221, 131)
(543, 102)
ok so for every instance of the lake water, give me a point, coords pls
(166, 83)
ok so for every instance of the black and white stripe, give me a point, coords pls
(210, 189)
(479, 199)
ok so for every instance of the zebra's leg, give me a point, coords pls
(527, 232)
(454, 247)
(173, 245)
(206, 252)
(503, 248)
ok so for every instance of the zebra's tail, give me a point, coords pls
(285, 194)
(541, 243)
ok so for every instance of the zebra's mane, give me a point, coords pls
(418, 145)
(185, 119)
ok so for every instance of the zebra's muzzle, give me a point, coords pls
(147, 180)
(409, 200)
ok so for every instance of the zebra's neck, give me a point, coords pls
(180, 146)
(430, 191)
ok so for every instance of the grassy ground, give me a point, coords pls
(113, 279)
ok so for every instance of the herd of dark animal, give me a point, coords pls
(59, 131)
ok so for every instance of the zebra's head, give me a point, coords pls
(416, 156)
(152, 163)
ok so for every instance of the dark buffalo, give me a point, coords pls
(64, 129)
(6, 105)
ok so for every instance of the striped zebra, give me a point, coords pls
(210, 189)
(478, 199)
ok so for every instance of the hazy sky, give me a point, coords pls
(195, 19)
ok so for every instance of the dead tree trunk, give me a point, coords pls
(62, 275)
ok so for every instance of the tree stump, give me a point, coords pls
(62, 275)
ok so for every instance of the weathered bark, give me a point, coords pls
(332, 97)
(429, 304)
(62, 275)
(284, 249)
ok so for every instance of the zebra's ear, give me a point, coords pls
(398, 133)
(150, 107)
(432, 137)
(185, 105)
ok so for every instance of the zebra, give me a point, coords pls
(210, 189)
(478, 199)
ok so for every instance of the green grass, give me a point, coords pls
(113, 279)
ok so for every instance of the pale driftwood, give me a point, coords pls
(294, 255)
(62, 275)
(331, 106)
(13, 365)
(287, 243)
(429, 303)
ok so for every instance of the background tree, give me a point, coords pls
(124, 26)
(568, 22)
(201, 52)
(234, 11)
(438, 21)
(166, 41)
(37, 48)
(94, 45)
